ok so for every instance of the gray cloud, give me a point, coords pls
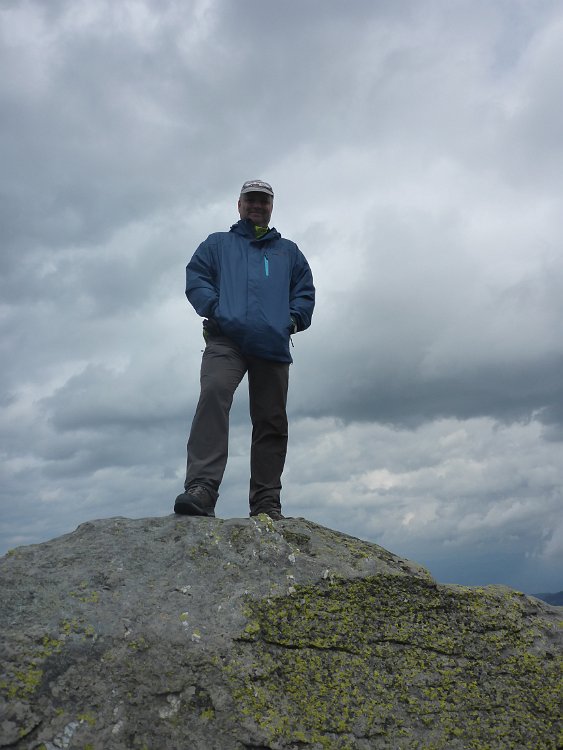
(415, 153)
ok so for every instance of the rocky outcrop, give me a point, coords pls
(208, 634)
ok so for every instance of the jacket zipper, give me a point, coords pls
(266, 265)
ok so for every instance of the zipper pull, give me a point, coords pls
(266, 265)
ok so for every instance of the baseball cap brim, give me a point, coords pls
(256, 186)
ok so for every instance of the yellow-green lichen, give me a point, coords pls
(251, 629)
(21, 680)
(208, 714)
(89, 718)
(266, 521)
(84, 594)
(140, 644)
(393, 656)
(88, 597)
(295, 539)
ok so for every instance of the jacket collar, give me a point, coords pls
(245, 228)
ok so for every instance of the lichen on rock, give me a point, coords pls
(243, 633)
(388, 659)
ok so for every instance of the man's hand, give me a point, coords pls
(210, 329)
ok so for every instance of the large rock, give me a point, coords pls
(199, 634)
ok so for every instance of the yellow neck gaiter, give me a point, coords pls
(260, 231)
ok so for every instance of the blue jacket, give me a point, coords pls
(251, 288)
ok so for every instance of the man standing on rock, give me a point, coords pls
(254, 288)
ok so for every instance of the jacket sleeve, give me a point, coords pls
(202, 286)
(302, 292)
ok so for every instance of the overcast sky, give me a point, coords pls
(416, 151)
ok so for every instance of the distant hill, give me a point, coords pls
(555, 600)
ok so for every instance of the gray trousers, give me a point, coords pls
(222, 368)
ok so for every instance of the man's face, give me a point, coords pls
(257, 207)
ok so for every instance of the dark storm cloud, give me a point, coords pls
(375, 393)
(415, 155)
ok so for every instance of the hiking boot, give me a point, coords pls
(274, 513)
(195, 501)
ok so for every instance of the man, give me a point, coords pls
(254, 289)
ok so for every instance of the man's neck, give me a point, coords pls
(260, 231)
